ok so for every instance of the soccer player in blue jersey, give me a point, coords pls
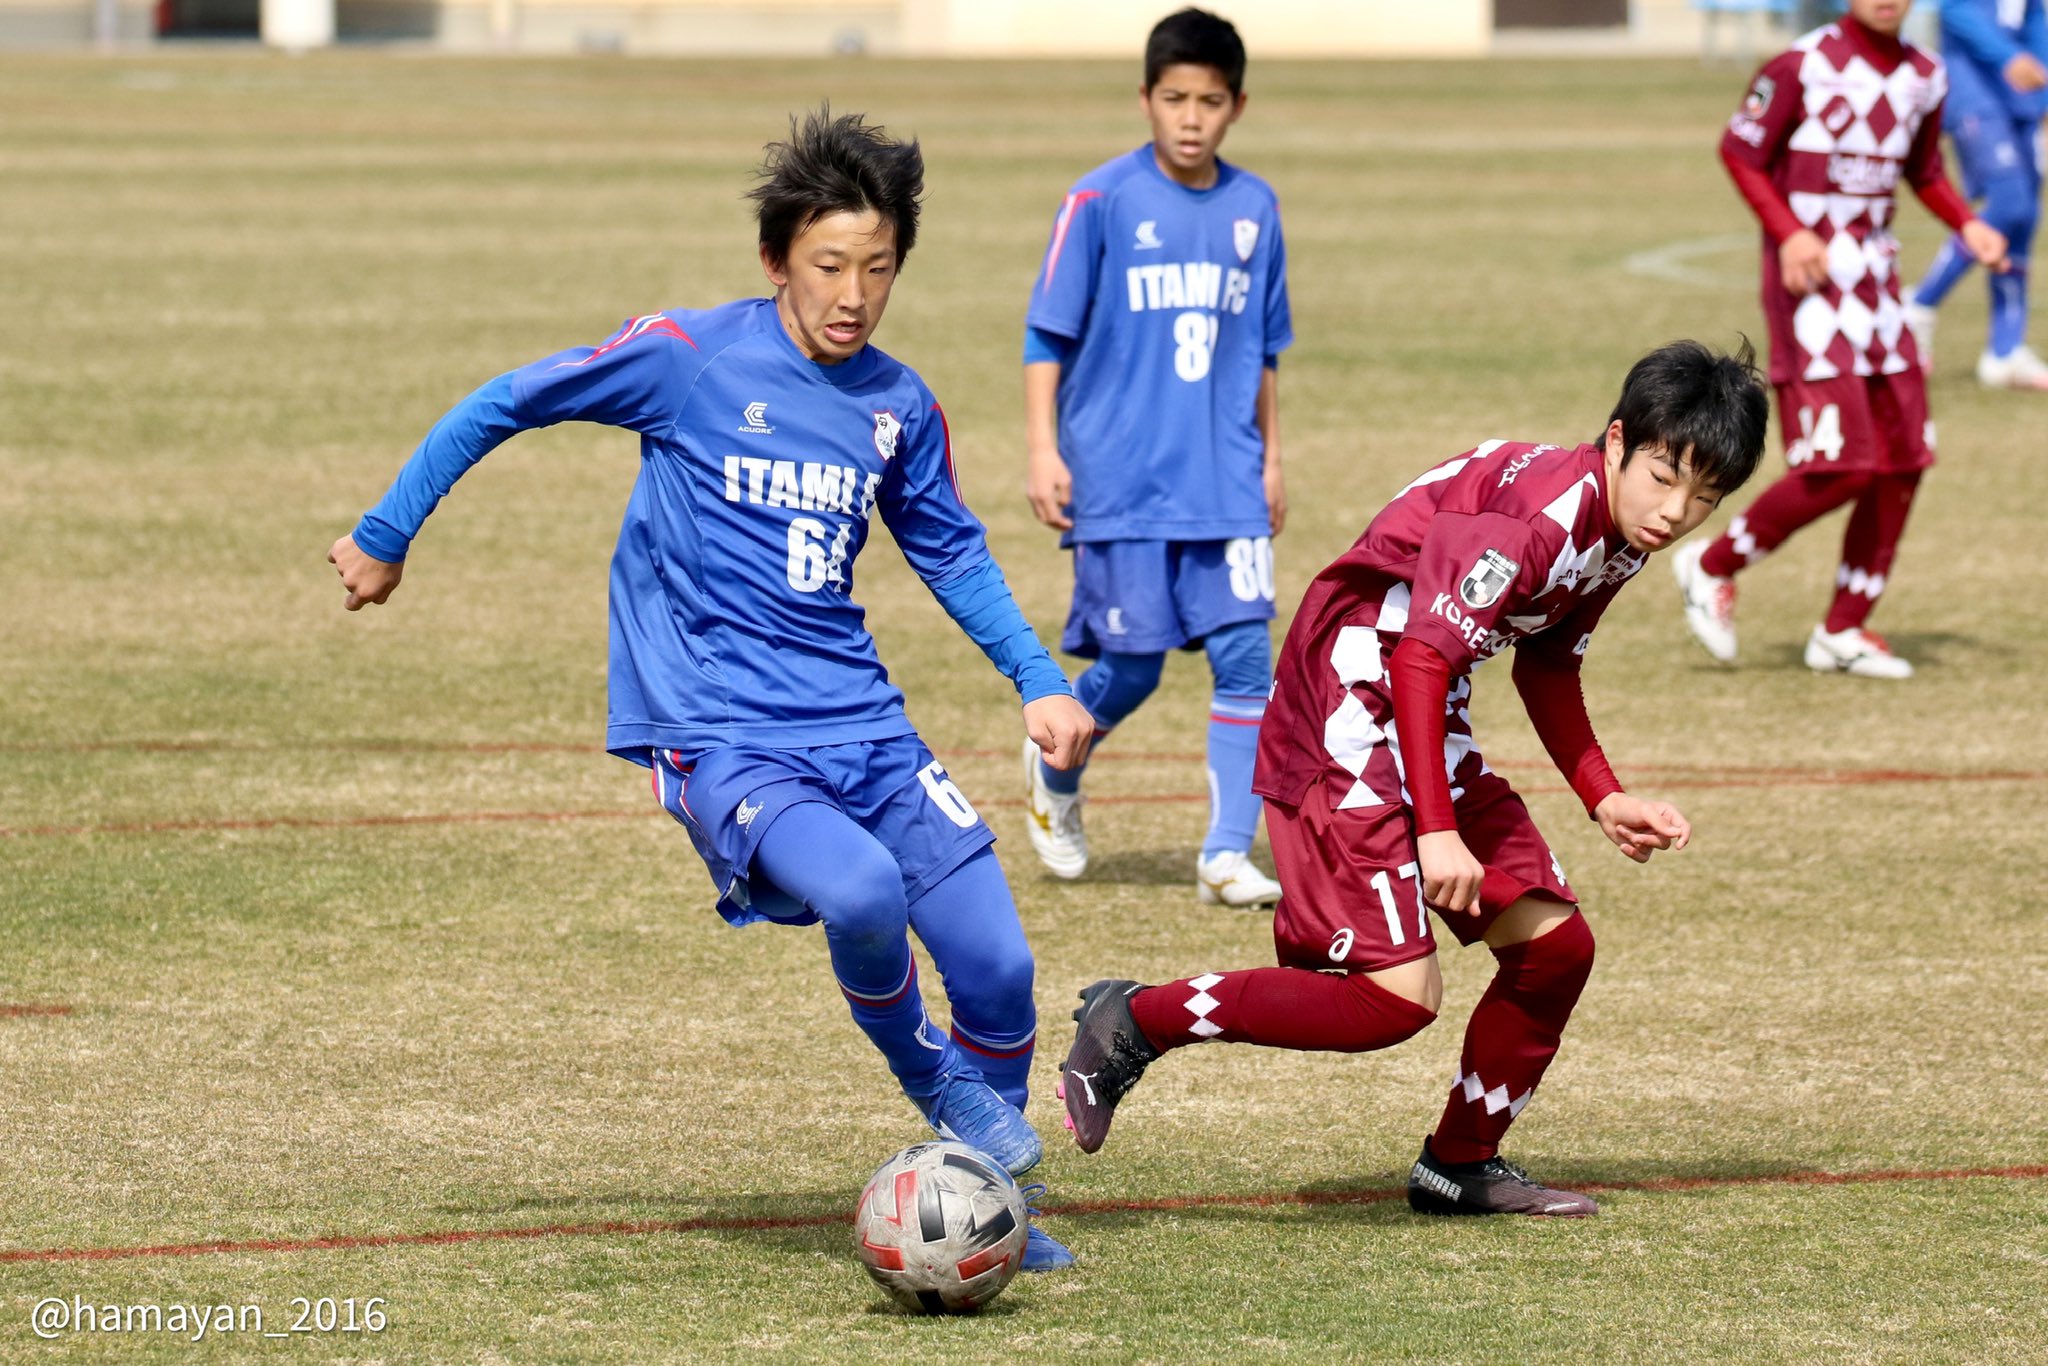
(1997, 57)
(741, 671)
(1152, 416)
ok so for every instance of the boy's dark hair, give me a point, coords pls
(1195, 37)
(1707, 409)
(841, 165)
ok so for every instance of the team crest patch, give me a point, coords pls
(887, 429)
(1487, 579)
(1245, 236)
(1759, 98)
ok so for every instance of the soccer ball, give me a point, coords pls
(941, 1228)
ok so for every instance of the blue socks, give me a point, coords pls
(2012, 205)
(1111, 688)
(816, 855)
(2009, 309)
(1241, 658)
(968, 921)
(1951, 264)
(1233, 749)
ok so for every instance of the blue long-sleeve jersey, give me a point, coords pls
(1978, 38)
(732, 616)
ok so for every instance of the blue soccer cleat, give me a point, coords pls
(1042, 1251)
(969, 1111)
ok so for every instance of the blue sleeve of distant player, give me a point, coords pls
(1972, 26)
(1041, 345)
(634, 380)
(468, 432)
(1279, 314)
(921, 505)
(637, 379)
(2034, 31)
(1065, 292)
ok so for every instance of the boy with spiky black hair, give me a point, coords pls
(742, 674)
(1382, 810)
(1152, 414)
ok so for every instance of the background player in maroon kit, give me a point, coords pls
(1817, 147)
(1380, 808)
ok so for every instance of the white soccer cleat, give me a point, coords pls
(1709, 603)
(1231, 879)
(1854, 651)
(1920, 322)
(2022, 369)
(1054, 821)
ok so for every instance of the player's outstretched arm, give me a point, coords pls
(1061, 728)
(1639, 828)
(365, 577)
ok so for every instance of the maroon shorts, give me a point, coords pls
(1857, 423)
(1353, 897)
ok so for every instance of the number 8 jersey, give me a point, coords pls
(1176, 300)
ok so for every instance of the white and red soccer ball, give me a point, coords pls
(941, 1228)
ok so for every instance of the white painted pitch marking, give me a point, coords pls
(1677, 261)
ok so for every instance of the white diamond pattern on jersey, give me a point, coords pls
(1201, 1003)
(1495, 1100)
(1352, 733)
(1355, 732)
(1859, 125)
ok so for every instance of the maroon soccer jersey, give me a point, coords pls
(1831, 124)
(1508, 544)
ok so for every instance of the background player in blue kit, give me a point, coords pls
(1997, 57)
(741, 671)
(1152, 417)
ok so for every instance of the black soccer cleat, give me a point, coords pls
(1108, 1056)
(1495, 1186)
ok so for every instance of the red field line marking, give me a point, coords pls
(1679, 778)
(1163, 1205)
(1721, 775)
(328, 822)
(277, 746)
(13, 1012)
(648, 812)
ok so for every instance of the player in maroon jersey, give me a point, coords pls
(1379, 806)
(1817, 147)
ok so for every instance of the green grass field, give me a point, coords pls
(334, 927)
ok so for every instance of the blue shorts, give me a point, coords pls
(894, 789)
(1147, 597)
(1992, 146)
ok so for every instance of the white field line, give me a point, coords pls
(1678, 261)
